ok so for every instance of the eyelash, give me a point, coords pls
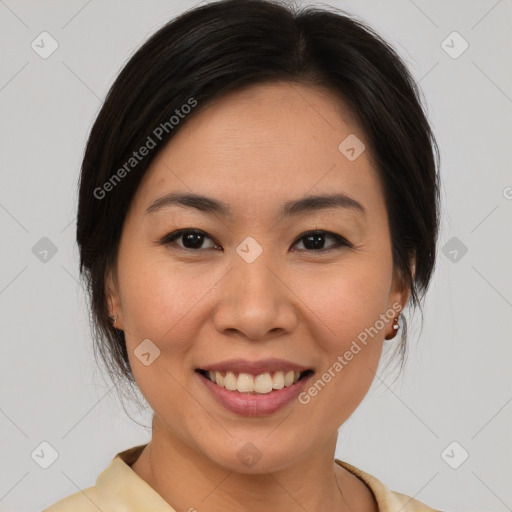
(340, 241)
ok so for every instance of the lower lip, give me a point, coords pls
(254, 405)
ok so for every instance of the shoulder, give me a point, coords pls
(387, 499)
(117, 488)
(82, 501)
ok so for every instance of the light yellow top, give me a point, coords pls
(119, 488)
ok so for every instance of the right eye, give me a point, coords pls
(192, 239)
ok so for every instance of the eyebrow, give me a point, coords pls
(290, 208)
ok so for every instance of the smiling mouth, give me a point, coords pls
(250, 384)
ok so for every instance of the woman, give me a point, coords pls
(258, 203)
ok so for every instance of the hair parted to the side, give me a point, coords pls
(216, 48)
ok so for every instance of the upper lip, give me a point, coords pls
(254, 367)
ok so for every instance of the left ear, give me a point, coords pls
(401, 291)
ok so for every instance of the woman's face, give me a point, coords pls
(253, 284)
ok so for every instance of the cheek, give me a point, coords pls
(347, 299)
(160, 304)
(156, 295)
(167, 304)
(350, 346)
(348, 306)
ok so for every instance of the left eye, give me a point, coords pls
(313, 241)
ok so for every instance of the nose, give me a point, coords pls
(255, 301)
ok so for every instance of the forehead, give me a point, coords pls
(264, 143)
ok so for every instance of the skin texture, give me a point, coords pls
(255, 149)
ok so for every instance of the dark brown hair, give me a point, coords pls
(216, 48)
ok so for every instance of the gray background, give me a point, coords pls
(457, 382)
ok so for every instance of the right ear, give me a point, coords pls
(112, 296)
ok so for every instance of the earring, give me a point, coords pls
(396, 326)
(113, 319)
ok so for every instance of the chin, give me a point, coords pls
(254, 457)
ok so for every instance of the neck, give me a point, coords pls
(189, 481)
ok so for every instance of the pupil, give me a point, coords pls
(317, 240)
(194, 238)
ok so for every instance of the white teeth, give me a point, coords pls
(288, 378)
(248, 383)
(218, 378)
(230, 381)
(263, 383)
(278, 380)
(245, 383)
